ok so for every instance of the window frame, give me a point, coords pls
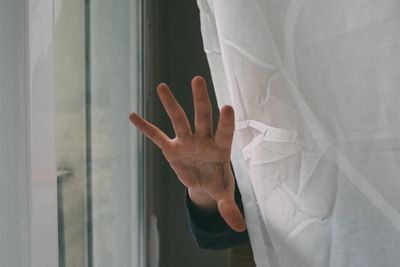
(42, 177)
(41, 145)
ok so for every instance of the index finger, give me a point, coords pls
(151, 131)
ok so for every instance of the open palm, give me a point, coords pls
(201, 160)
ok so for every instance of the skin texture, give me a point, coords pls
(201, 160)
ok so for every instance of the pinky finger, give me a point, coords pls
(151, 131)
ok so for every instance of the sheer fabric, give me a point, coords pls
(315, 88)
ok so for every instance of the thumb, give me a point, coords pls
(231, 214)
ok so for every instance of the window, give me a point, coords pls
(70, 162)
(98, 83)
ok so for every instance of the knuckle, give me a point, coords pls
(203, 114)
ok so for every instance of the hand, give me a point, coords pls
(200, 160)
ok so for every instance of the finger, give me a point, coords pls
(231, 214)
(202, 107)
(151, 131)
(223, 193)
(175, 112)
(226, 127)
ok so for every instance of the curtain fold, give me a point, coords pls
(315, 86)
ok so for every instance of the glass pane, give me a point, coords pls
(97, 54)
(71, 132)
(114, 83)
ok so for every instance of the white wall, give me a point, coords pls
(14, 241)
(28, 221)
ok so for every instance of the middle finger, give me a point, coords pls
(202, 107)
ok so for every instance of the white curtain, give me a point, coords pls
(315, 86)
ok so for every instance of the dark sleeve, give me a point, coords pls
(211, 231)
